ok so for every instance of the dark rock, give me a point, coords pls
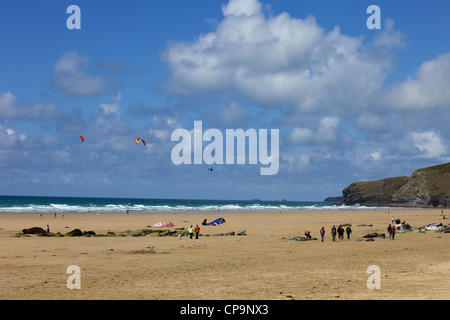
(364, 240)
(89, 233)
(34, 230)
(334, 199)
(374, 235)
(373, 193)
(74, 233)
(427, 187)
(299, 238)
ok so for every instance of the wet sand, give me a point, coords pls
(261, 265)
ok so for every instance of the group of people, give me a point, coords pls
(391, 232)
(193, 230)
(336, 231)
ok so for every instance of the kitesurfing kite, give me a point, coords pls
(82, 138)
(210, 168)
(139, 139)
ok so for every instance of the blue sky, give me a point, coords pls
(350, 103)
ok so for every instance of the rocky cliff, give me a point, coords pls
(427, 187)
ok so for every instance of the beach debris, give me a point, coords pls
(365, 240)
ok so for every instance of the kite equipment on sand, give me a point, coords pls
(165, 224)
(217, 222)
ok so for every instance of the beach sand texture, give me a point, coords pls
(263, 264)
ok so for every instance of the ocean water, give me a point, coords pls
(18, 204)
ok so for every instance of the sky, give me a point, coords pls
(350, 103)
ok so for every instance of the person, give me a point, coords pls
(191, 231)
(308, 234)
(348, 230)
(341, 232)
(389, 230)
(333, 233)
(41, 214)
(197, 231)
(47, 229)
(322, 233)
(204, 223)
(393, 233)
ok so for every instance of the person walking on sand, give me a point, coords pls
(393, 233)
(322, 233)
(333, 233)
(389, 230)
(197, 231)
(349, 231)
(340, 231)
(191, 231)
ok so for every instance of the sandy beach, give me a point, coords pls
(263, 264)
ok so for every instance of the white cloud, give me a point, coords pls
(238, 7)
(71, 77)
(111, 108)
(429, 143)
(9, 108)
(301, 135)
(276, 60)
(8, 137)
(375, 156)
(429, 89)
(326, 131)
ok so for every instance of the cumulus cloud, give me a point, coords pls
(106, 109)
(71, 76)
(8, 136)
(276, 60)
(11, 109)
(429, 143)
(326, 131)
(428, 89)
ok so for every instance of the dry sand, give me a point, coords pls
(261, 265)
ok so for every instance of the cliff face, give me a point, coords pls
(427, 187)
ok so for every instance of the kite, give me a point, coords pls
(210, 168)
(82, 138)
(139, 139)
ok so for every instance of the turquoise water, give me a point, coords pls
(19, 204)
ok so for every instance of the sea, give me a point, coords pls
(33, 204)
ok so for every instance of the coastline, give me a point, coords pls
(263, 264)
